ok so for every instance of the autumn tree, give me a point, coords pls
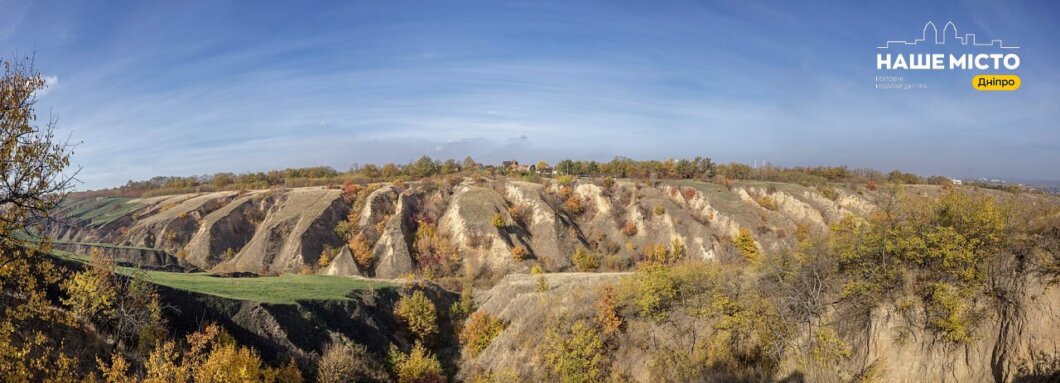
(418, 366)
(479, 331)
(575, 353)
(585, 260)
(417, 312)
(33, 180)
(746, 246)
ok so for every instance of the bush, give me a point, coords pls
(948, 314)
(659, 210)
(498, 221)
(418, 366)
(520, 214)
(329, 253)
(542, 284)
(536, 269)
(829, 192)
(766, 202)
(573, 205)
(745, 244)
(344, 362)
(519, 253)
(607, 313)
(362, 253)
(575, 354)
(585, 260)
(418, 313)
(479, 331)
(629, 228)
(466, 304)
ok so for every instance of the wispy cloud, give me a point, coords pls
(159, 88)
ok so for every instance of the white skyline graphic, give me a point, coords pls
(967, 39)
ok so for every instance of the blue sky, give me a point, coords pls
(183, 88)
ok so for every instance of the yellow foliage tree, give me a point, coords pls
(418, 313)
(479, 331)
(418, 366)
(575, 354)
(745, 244)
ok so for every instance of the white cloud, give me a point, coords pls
(50, 82)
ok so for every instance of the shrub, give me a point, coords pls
(479, 331)
(828, 349)
(573, 205)
(536, 269)
(607, 313)
(432, 251)
(745, 244)
(585, 260)
(766, 202)
(542, 284)
(498, 221)
(519, 253)
(230, 253)
(659, 210)
(418, 366)
(689, 193)
(417, 312)
(614, 262)
(829, 192)
(362, 253)
(575, 354)
(344, 362)
(466, 304)
(872, 185)
(608, 182)
(677, 251)
(326, 256)
(520, 214)
(657, 253)
(947, 313)
(92, 293)
(629, 228)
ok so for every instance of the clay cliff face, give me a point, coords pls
(544, 223)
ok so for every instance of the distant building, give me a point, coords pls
(955, 181)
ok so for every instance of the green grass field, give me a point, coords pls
(99, 211)
(284, 289)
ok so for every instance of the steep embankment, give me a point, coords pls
(1019, 343)
(542, 224)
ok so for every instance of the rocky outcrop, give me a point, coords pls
(467, 222)
(225, 231)
(283, 230)
(171, 222)
(548, 229)
(343, 265)
(295, 233)
(391, 251)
